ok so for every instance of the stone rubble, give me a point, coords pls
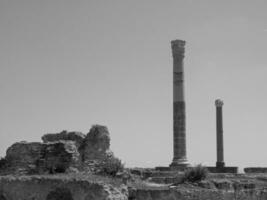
(78, 137)
(59, 152)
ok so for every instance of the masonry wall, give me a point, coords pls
(56, 188)
(198, 194)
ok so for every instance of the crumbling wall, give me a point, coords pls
(75, 136)
(60, 152)
(58, 188)
(59, 194)
(34, 157)
(22, 156)
(96, 145)
(255, 170)
(60, 156)
(196, 194)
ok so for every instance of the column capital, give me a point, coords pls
(218, 103)
(178, 48)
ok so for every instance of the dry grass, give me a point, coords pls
(195, 174)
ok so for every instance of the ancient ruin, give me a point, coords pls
(219, 130)
(59, 152)
(76, 166)
(179, 124)
(220, 165)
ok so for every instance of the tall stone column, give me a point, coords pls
(179, 125)
(219, 130)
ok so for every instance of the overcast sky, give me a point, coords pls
(66, 65)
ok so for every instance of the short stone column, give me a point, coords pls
(179, 125)
(219, 129)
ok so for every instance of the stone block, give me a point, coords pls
(223, 169)
(22, 157)
(96, 144)
(35, 157)
(255, 170)
(60, 156)
(78, 137)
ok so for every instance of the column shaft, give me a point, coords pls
(219, 133)
(179, 115)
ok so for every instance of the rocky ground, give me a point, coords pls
(81, 186)
(61, 186)
(167, 185)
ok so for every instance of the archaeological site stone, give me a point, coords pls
(219, 131)
(60, 152)
(96, 144)
(64, 135)
(22, 156)
(60, 194)
(255, 170)
(56, 187)
(179, 114)
(60, 156)
(35, 157)
(220, 165)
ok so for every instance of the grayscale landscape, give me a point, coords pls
(133, 100)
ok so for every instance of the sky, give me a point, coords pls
(67, 65)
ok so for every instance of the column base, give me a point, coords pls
(179, 164)
(220, 164)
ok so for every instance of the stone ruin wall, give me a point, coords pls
(199, 194)
(28, 165)
(59, 152)
(55, 188)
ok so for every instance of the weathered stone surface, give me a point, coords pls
(60, 152)
(179, 114)
(60, 193)
(223, 169)
(217, 189)
(59, 188)
(96, 144)
(64, 135)
(22, 156)
(60, 156)
(35, 157)
(255, 170)
(196, 194)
